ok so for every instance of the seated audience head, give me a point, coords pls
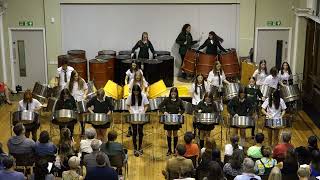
(95, 145)
(9, 162)
(19, 129)
(112, 135)
(216, 155)
(286, 136)
(315, 159)
(41, 169)
(188, 138)
(304, 171)
(210, 144)
(313, 142)
(181, 149)
(44, 137)
(215, 171)
(275, 174)
(74, 162)
(234, 141)
(101, 159)
(65, 135)
(266, 151)
(90, 133)
(304, 156)
(65, 149)
(236, 159)
(259, 138)
(248, 165)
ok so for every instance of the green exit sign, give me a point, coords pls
(273, 23)
(26, 23)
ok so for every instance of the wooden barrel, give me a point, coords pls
(98, 72)
(205, 64)
(126, 52)
(62, 57)
(80, 65)
(189, 62)
(230, 63)
(162, 53)
(77, 53)
(120, 69)
(107, 52)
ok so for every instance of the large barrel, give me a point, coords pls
(162, 53)
(77, 54)
(167, 74)
(230, 63)
(80, 65)
(205, 64)
(110, 63)
(100, 71)
(62, 57)
(126, 52)
(119, 69)
(107, 52)
(189, 61)
(152, 69)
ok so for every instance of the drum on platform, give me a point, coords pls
(168, 65)
(172, 119)
(80, 65)
(189, 62)
(205, 64)
(107, 52)
(152, 70)
(230, 63)
(231, 90)
(290, 93)
(101, 70)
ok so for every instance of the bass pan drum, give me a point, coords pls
(231, 90)
(152, 70)
(168, 65)
(230, 63)
(189, 62)
(205, 64)
(277, 123)
(77, 54)
(266, 90)
(242, 122)
(290, 93)
(137, 118)
(172, 119)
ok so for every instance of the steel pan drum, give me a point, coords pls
(231, 90)
(64, 115)
(219, 105)
(51, 104)
(266, 90)
(188, 108)
(120, 105)
(25, 117)
(91, 90)
(40, 91)
(154, 103)
(137, 118)
(77, 53)
(290, 93)
(242, 122)
(207, 118)
(172, 119)
(82, 106)
(97, 118)
(277, 123)
(189, 62)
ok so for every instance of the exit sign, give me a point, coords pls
(273, 23)
(26, 23)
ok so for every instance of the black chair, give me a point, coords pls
(24, 162)
(194, 160)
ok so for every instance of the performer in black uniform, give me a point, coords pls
(185, 41)
(206, 106)
(172, 105)
(144, 44)
(66, 101)
(240, 106)
(212, 44)
(101, 104)
(254, 95)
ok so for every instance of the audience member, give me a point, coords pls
(112, 148)
(2, 156)
(304, 172)
(44, 147)
(248, 171)
(303, 155)
(275, 174)
(264, 165)
(192, 149)
(85, 144)
(8, 172)
(234, 166)
(90, 159)
(280, 150)
(41, 171)
(215, 172)
(75, 170)
(210, 144)
(229, 148)
(61, 163)
(312, 143)
(315, 163)
(101, 171)
(290, 165)
(178, 165)
(66, 138)
(255, 150)
(19, 144)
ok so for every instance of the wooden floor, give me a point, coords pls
(152, 162)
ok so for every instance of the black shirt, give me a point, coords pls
(212, 48)
(66, 104)
(181, 39)
(144, 49)
(101, 106)
(253, 93)
(206, 108)
(172, 107)
(235, 106)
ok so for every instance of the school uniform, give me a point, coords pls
(271, 81)
(64, 76)
(103, 106)
(212, 47)
(285, 78)
(172, 107)
(66, 104)
(144, 49)
(131, 74)
(260, 76)
(181, 39)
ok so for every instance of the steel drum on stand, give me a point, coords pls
(207, 118)
(97, 118)
(277, 123)
(172, 119)
(64, 116)
(231, 90)
(266, 91)
(290, 93)
(25, 117)
(242, 122)
(137, 118)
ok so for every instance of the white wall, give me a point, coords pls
(93, 27)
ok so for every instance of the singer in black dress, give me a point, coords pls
(172, 105)
(212, 44)
(144, 44)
